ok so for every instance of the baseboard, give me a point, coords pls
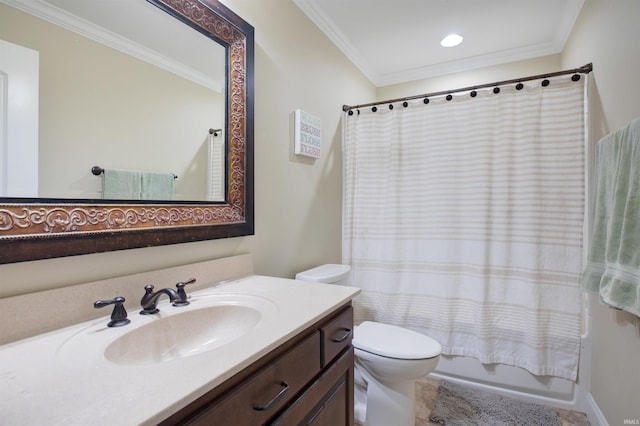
(595, 416)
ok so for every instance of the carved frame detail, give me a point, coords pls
(39, 229)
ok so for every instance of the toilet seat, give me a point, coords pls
(394, 342)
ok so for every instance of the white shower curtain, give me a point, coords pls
(463, 220)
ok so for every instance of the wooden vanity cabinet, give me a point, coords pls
(307, 380)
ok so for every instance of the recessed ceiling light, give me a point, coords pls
(451, 40)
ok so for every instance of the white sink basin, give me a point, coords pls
(208, 323)
(183, 334)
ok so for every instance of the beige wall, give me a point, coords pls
(607, 33)
(479, 76)
(297, 201)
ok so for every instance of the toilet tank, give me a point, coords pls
(330, 273)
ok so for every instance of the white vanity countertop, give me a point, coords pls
(43, 382)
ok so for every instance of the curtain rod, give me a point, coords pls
(585, 69)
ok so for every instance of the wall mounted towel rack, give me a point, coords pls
(97, 170)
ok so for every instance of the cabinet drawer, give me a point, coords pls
(268, 390)
(336, 335)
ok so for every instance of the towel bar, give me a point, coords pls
(97, 170)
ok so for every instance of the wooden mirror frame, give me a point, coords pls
(32, 229)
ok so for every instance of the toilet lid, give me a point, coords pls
(394, 342)
(329, 273)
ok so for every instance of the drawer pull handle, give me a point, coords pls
(346, 335)
(285, 388)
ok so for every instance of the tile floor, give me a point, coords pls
(427, 388)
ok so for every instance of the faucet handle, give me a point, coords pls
(182, 294)
(119, 314)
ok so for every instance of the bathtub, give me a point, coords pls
(518, 383)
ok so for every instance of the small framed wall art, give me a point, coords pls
(307, 134)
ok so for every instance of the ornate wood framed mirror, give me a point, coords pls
(42, 228)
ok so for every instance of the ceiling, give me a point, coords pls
(389, 41)
(398, 41)
(139, 29)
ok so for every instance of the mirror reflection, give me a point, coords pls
(143, 111)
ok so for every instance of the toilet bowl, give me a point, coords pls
(388, 360)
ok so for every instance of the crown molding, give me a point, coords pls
(326, 25)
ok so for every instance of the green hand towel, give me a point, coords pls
(157, 186)
(613, 264)
(121, 184)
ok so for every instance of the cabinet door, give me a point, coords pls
(334, 410)
(328, 400)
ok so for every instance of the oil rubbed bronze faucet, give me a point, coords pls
(149, 301)
(119, 314)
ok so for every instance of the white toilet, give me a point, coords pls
(388, 361)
